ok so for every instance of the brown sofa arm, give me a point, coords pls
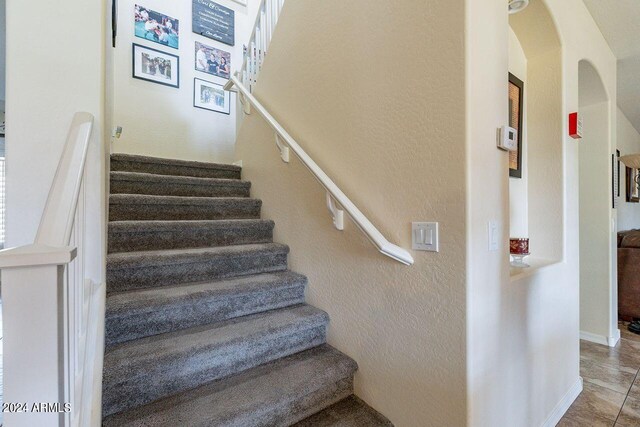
(628, 283)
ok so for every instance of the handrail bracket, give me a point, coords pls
(284, 150)
(338, 214)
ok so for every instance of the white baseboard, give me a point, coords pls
(561, 408)
(613, 341)
(601, 339)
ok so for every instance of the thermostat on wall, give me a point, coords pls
(507, 138)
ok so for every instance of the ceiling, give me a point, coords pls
(619, 22)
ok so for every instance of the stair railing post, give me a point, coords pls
(35, 353)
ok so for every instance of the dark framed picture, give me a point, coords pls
(212, 61)
(155, 66)
(615, 179)
(516, 98)
(211, 96)
(633, 185)
(156, 27)
(214, 21)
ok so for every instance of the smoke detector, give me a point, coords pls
(516, 6)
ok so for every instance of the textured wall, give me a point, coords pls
(374, 91)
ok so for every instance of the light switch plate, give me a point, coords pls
(424, 236)
(494, 236)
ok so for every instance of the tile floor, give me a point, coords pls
(611, 394)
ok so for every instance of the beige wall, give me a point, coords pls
(378, 101)
(628, 143)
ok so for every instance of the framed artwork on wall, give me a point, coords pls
(156, 27)
(156, 66)
(633, 185)
(211, 96)
(213, 61)
(516, 97)
(214, 21)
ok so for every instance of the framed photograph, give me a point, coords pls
(633, 185)
(213, 61)
(615, 185)
(156, 66)
(516, 95)
(211, 96)
(156, 27)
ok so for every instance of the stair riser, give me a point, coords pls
(138, 277)
(303, 406)
(196, 238)
(200, 312)
(174, 189)
(137, 212)
(145, 384)
(168, 169)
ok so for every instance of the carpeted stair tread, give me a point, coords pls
(349, 412)
(161, 166)
(144, 269)
(171, 185)
(275, 394)
(141, 371)
(126, 236)
(137, 314)
(130, 207)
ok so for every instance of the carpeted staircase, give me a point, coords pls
(205, 325)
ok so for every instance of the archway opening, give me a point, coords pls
(536, 196)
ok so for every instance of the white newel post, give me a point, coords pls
(34, 321)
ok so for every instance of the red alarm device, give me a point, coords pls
(575, 126)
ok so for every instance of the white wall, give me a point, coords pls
(595, 204)
(523, 333)
(40, 108)
(160, 120)
(628, 143)
(518, 187)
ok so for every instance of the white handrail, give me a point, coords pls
(58, 216)
(334, 193)
(53, 309)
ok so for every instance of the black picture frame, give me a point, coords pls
(139, 76)
(226, 94)
(516, 157)
(633, 186)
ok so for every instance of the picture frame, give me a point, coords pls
(214, 21)
(615, 184)
(633, 185)
(156, 27)
(516, 121)
(155, 66)
(211, 96)
(211, 60)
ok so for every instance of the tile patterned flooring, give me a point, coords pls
(611, 394)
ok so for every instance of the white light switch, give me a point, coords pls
(425, 236)
(494, 236)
